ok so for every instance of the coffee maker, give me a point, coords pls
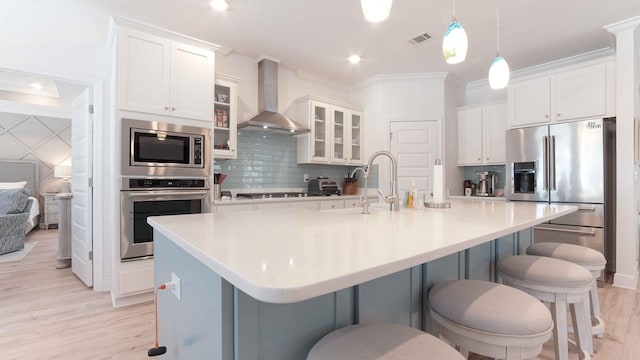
(487, 181)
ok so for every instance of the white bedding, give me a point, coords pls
(33, 215)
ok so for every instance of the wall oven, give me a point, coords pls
(144, 197)
(152, 148)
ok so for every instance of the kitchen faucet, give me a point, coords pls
(391, 199)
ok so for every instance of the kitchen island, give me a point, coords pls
(269, 284)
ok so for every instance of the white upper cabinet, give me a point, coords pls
(164, 77)
(572, 94)
(481, 135)
(336, 133)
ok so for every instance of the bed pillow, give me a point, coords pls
(13, 201)
(13, 185)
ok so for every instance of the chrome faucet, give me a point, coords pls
(391, 199)
(364, 201)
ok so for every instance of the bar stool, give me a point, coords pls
(490, 319)
(589, 259)
(559, 283)
(381, 341)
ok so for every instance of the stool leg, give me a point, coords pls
(597, 321)
(581, 318)
(559, 313)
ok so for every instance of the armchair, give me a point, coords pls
(14, 212)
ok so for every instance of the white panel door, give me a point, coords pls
(529, 102)
(81, 202)
(494, 125)
(415, 145)
(192, 82)
(470, 136)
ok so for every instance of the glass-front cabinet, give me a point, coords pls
(319, 131)
(338, 136)
(355, 134)
(336, 132)
(225, 120)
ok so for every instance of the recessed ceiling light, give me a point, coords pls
(36, 85)
(219, 5)
(354, 59)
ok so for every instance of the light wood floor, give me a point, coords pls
(47, 313)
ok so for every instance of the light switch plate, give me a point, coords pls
(176, 288)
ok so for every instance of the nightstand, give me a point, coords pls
(50, 210)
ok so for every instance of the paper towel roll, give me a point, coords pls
(437, 183)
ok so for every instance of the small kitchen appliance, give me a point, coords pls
(322, 186)
(487, 181)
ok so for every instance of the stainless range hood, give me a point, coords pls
(268, 118)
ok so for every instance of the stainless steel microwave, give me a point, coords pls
(152, 148)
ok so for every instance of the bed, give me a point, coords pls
(23, 170)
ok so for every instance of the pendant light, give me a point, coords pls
(499, 71)
(376, 10)
(454, 43)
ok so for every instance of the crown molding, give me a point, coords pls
(624, 25)
(441, 76)
(600, 55)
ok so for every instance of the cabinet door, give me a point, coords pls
(581, 93)
(321, 117)
(191, 82)
(356, 136)
(529, 102)
(470, 136)
(143, 72)
(494, 123)
(338, 136)
(225, 120)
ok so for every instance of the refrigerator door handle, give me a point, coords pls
(587, 208)
(591, 232)
(545, 162)
(552, 164)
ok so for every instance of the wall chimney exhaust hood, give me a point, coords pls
(268, 118)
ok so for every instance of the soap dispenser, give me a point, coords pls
(414, 194)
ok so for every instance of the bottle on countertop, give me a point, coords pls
(413, 195)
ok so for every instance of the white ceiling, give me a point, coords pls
(316, 36)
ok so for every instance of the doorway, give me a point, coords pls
(415, 144)
(44, 122)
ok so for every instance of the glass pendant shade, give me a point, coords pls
(454, 43)
(376, 10)
(499, 73)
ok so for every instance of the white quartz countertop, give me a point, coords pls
(292, 255)
(236, 201)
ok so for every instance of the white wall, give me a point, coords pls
(397, 98)
(627, 110)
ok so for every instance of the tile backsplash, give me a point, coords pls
(268, 162)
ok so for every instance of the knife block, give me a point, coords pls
(350, 188)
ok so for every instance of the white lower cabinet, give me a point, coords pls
(332, 204)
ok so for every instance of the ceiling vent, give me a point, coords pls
(420, 38)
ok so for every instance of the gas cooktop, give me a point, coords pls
(271, 195)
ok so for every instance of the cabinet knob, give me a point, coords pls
(166, 108)
(558, 114)
(487, 158)
(479, 159)
(173, 109)
(546, 116)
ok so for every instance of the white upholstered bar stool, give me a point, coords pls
(589, 259)
(559, 283)
(381, 341)
(490, 319)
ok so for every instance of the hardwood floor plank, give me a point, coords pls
(47, 313)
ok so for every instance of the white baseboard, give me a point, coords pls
(626, 281)
(131, 299)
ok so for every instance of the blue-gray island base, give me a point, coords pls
(217, 320)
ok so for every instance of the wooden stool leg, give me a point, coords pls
(581, 318)
(596, 320)
(559, 314)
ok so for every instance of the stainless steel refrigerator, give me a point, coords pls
(568, 163)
